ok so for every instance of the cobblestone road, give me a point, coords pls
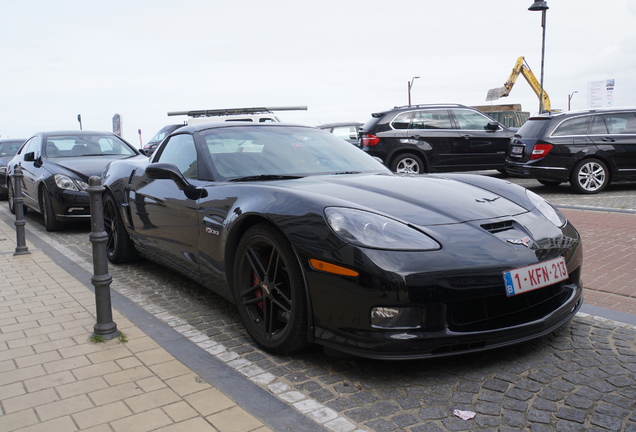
(580, 378)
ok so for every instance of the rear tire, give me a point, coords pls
(408, 163)
(589, 176)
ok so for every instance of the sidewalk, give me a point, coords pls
(53, 378)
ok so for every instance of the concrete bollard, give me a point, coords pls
(101, 280)
(18, 206)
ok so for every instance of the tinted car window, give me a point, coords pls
(32, 145)
(402, 120)
(533, 128)
(181, 151)
(620, 123)
(573, 126)
(471, 120)
(431, 119)
(9, 148)
(598, 126)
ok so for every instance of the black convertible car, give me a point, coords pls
(317, 242)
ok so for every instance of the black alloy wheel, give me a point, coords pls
(270, 290)
(589, 176)
(119, 246)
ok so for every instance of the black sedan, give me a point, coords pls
(56, 167)
(8, 148)
(316, 241)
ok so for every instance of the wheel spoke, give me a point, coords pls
(256, 264)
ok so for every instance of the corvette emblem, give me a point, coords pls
(522, 241)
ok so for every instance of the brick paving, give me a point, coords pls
(609, 258)
(52, 377)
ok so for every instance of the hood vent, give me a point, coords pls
(497, 227)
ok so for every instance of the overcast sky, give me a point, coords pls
(344, 59)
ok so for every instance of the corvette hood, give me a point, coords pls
(420, 200)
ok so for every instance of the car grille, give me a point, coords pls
(479, 314)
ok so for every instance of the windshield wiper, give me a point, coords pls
(347, 172)
(266, 177)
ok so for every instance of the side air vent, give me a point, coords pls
(496, 227)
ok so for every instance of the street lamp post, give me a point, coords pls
(543, 7)
(570, 98)
(410, 85)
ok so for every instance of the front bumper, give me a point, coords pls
(71, 205)
(458, 295)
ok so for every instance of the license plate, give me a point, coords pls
(535, 276)
(516, 150)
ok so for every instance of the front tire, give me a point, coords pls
(119, 247)
(589, 176)
(269, 290)
(408, 163)
(10, 198)
(50, 222)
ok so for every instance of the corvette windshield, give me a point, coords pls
(269, 151)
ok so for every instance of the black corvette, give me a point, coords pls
(317, 242)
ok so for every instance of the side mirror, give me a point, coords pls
(493, 125)
(168, 171)
(29, 157)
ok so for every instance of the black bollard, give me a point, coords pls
(18, 207)
(105, 326)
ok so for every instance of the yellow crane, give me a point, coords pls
(521, 67)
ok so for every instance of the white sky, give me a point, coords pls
(344, 59)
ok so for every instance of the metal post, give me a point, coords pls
(542, 59)
(18, 207)
(101, 280)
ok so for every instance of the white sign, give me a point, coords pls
(600, 94)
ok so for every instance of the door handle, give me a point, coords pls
(606, 139)
(466, 136)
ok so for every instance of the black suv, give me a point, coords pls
(436, 138)
(590, 149)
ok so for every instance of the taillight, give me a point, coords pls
(369, 140)
(540, 150)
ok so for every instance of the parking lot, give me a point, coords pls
(581, 377)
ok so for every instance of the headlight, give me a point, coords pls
(65, 182)
(546, 209)
(372, 230)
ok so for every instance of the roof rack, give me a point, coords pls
(236, 111)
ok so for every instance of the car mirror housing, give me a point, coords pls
(493, 125)
(29, 157)
(168, 171)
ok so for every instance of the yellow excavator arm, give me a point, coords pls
(521, 67)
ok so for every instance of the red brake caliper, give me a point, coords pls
(258, 292)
